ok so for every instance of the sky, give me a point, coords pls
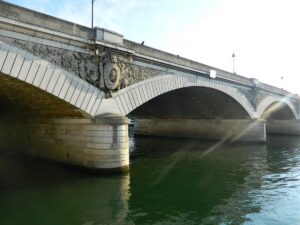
(264, 35)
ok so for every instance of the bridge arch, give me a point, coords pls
(16, 63)
(272, 104)
(130, 98)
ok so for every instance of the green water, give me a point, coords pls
(171, 181)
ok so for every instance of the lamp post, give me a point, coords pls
(233, 68)
(93, 13)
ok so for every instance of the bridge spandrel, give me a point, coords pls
(106, 70)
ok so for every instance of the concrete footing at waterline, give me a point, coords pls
(228, 130)
(99, 145)
(283, 127)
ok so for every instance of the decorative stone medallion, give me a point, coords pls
(112, 76)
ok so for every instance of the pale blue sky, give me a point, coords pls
(263, 33)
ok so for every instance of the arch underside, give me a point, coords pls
(212, 95)
(276, 108)
(197, 112)
(192, 103)
(21, 100)
(278, 111)
(33, 86)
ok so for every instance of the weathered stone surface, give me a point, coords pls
(109, 72)
(80, 64)
(225, 130)
(192, 103)
(254, 94)
(120, 72)
(283, 127)
(21, 100)
(80, 142)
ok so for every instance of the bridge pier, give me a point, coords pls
(231, 130)
(98, 144)
(285, 127)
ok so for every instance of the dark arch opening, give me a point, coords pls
(278, 111)
(192, 103)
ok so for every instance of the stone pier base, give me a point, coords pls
(285, 127)
(231, 130)
(100, 144)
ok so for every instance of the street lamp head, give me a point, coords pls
(233, 56)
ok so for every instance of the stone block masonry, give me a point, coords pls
(230, 130)
(283, 127)
(94, 144)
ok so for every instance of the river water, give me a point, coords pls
(171, 181)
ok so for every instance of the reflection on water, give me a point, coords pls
(171, 181)
(38, 193)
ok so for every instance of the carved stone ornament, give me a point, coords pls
(83, 65)
(255, 95)
(112, 76)
(119, 71)
(110, 72)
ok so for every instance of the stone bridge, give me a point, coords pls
(66, 91)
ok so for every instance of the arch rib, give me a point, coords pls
(262, 107)
(137, 94)
(24, 66)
